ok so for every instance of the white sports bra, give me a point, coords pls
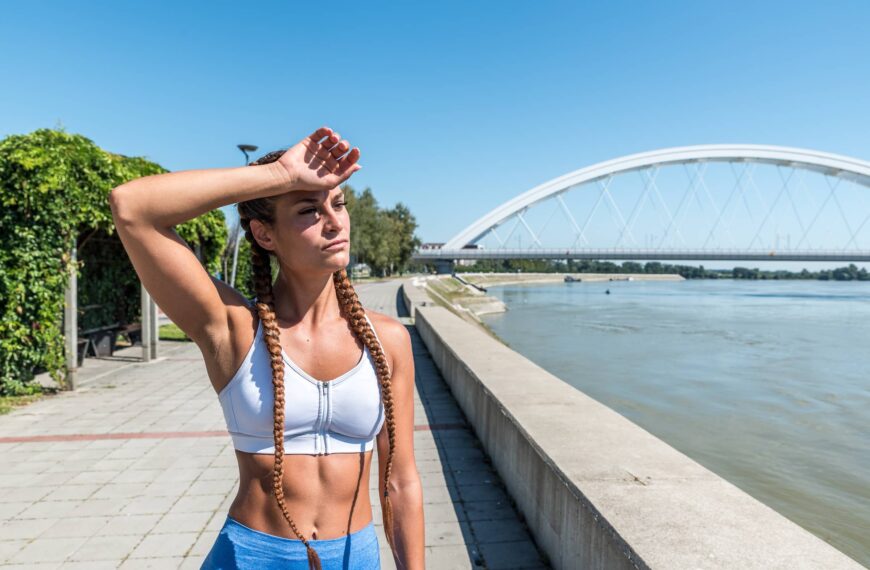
(342, 415)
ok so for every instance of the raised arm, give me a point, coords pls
(146, 210)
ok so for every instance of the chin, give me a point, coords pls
(337, 262)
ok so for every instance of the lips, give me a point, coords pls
(337, 244)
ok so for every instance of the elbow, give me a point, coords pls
(120, 206)
(407, 485)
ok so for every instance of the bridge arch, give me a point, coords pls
(848, 168)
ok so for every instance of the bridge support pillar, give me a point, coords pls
(443, 266)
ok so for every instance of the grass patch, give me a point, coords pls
(172, 332)
(454, 291)
(449, 288)
(9, 403)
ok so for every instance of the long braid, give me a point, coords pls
(265, 306)
(354, 312)
(264, 210)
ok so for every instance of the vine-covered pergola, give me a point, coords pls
(59, 251)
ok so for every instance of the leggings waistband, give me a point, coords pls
(360, 538)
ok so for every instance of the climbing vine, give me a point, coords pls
(54, 189)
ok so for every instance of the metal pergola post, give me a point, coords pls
(70, 320)
(155, 327)
(147, 324)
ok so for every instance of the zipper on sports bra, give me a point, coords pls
(320, 436)
(327, 393)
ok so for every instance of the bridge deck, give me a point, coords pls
(135, 469)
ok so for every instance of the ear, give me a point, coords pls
(263, 235)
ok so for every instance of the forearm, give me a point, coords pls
(408, 525)
(172, 198)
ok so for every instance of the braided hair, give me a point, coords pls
(263, 209)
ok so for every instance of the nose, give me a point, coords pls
(332, 220)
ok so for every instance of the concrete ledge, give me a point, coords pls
(597, 490)
(415, 296)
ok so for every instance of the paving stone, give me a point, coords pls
(164, 489)
(203, 544)
(33, 566)
(472, 493)
(489, 510)
(24, 529)
(68, 527)
(47, 550)
(137, 476)
(98, 507)
(163, 563)
(118, 491)
(130, 524)
(181, 522)
(149, 505)
(197, 504)
(212, 487)
(161, 545)
(30, 494)
(503, 530)
(480, 476)
(443, 512)
(92, 565)
(191, 563)
(9, 547)
(510, 555)
(68, 492)
(10, 510)
(441, 533)
(453, 557)
(106, 547)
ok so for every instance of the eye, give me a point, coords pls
(340, 204)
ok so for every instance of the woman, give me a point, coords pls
(307, 379)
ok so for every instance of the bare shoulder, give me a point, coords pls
(393, 334)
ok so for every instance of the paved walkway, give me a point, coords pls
(135, 470)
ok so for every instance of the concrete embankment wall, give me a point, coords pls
(597, 490)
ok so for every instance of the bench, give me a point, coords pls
(100, 340)
(132, 332)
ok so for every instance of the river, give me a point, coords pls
(766, 383)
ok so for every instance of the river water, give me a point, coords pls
(766, 383)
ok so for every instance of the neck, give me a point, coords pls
(308, 300)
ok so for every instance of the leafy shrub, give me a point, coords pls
(54, 190)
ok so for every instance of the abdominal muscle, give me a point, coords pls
(327, 496)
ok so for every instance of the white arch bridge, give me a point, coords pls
(706, 202)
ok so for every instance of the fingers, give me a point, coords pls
(339, 149)
(333, 155)
(318, 135)
(349, 160)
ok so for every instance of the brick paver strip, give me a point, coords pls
(168, 434)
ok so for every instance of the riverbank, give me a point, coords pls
(465, 293)
(492, 279)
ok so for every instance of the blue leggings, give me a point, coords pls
(240, 547)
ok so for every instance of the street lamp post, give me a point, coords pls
(245, 148)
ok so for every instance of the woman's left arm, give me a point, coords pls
(406, 489)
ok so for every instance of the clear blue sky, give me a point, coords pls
(456, 106)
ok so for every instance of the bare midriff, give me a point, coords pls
(327, 496)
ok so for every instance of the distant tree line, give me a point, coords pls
(382, 238)
(850, 273)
